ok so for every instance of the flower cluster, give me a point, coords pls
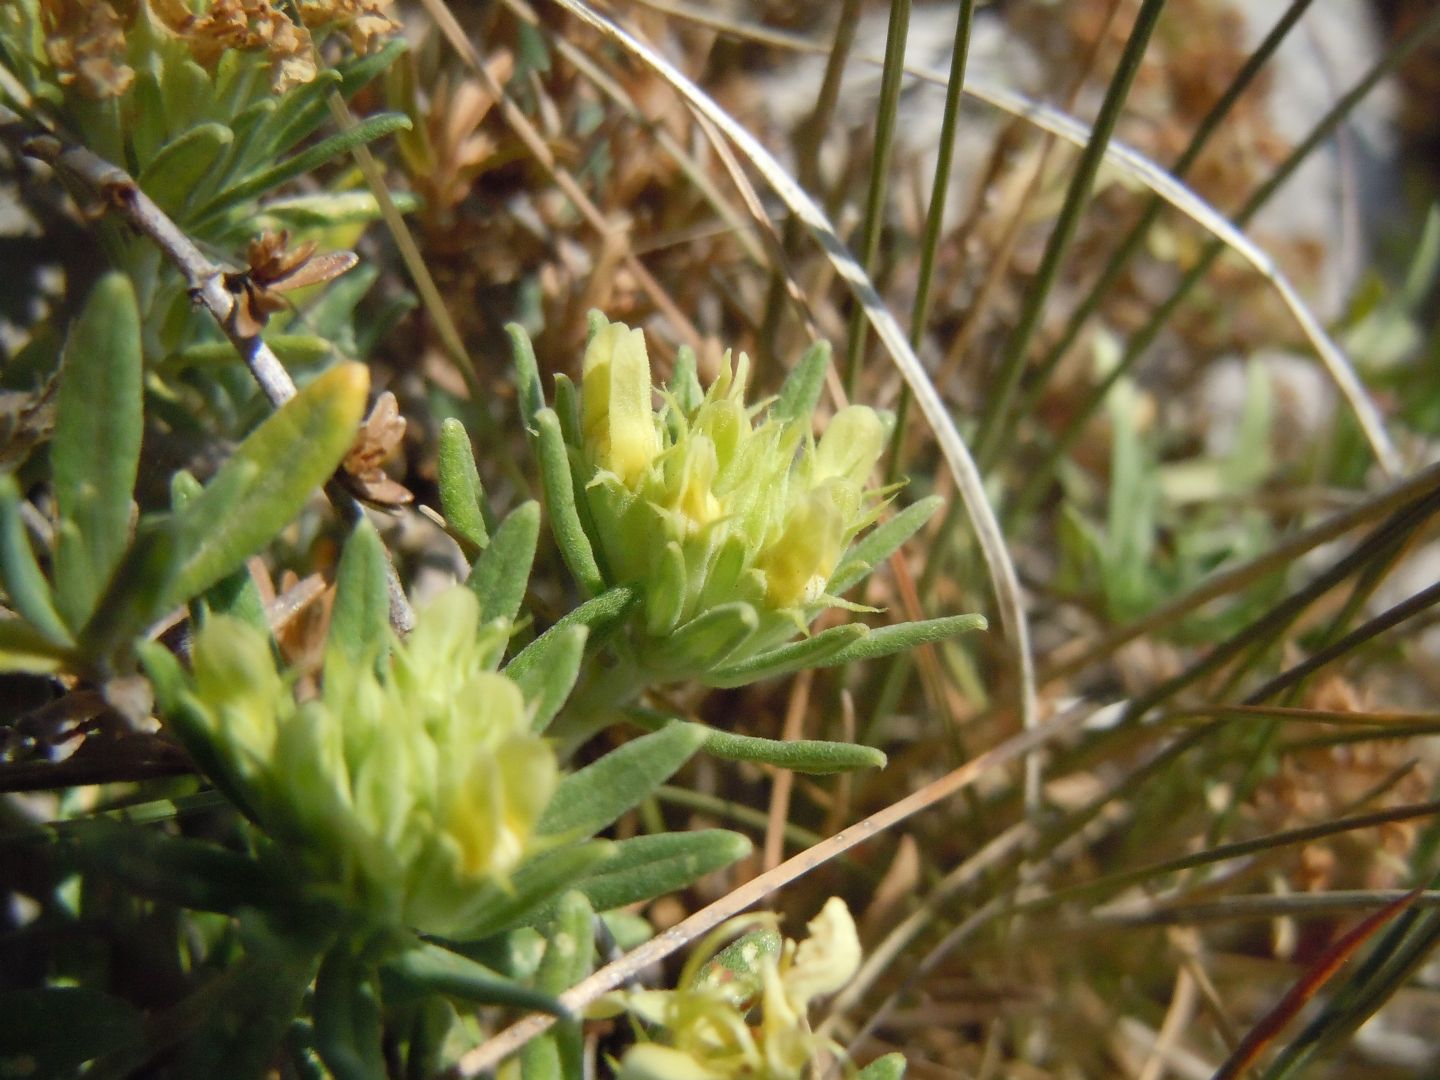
(708, 503)
(743, 1014)
(402, 789)
(88, 43)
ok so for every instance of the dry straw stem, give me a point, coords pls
(1003, 578)
(1138, 167)
(118, 190)
(495, 1050)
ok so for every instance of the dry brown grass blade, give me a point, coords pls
(1307, 986)
(535, 144)
(496, 1049)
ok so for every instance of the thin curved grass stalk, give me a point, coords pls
(1134, 166)
(962, 466)
(506, 1042)
(934, 216)
(1135, 238)
(896, 34)
(993, 432)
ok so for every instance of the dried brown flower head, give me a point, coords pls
(85, 41)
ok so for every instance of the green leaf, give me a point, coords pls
(597, 616)
(685, 381)
(25, 584)
(813, 756)
(589, 800)
(540, 1059)
(241, 1016)
(559, 490)
(645, 867)
(882, 542)
(347, 1018)
(706, 640)
(528, 393)
(249, 128)
(548, 675)
(569, 957)
(188, 93)
(359, 72)
(23, 648)
(297, 114)
(293, 350)
(888, 640)
(96, 449)
(570, 944)
(139, 590)
(360, 618)
(268, 478)
(187, 720)
(431, 969)
(462, 498)
(567, 408)
(173, 176)
(666, 591)
(238, 596)
(801, 392)
(889, 1067)
(811, 652)
(536, 883)
(56, 1030)
(502, 572)
(367, 130)
(187, 873)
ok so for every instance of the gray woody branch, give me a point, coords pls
(207, 285)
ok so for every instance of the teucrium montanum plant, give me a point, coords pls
(743, 1012)
(732, 524)
(403, 786)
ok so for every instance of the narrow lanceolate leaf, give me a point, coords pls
(710, 637)
(96, 450)
(139, 591)
(549, 673)
(23, 648)
(173, 174)
(813, 756)
(461, 495)
(811, 652)
(801, 392)
(529, 394)
(889, 640)
(268, 478)
(565, 523)
(534, 886)
(882, 542)
(597, 616)
(25, 584)
(570, 948)
(347, 1017)
(366, 131)
(360, 618)
(540, 1059)
(594, 797)
(645, 867)
(500, 575)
